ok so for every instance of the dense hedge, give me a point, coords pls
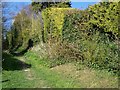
(74, 24)
(87, 36)
(53, 22)
(104, 17)
(93, 40)
(99, 52)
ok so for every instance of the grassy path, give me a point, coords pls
(31, 72)
(34, 77)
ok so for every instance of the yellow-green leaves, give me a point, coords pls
(53, 22)
(105, 16)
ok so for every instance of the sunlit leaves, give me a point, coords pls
(105, 16)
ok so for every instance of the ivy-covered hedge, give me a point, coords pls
(53, 22)
(86, 35)
(74, 24)
(101, 17)
(99, 24)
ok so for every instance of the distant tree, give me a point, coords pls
(8, 15)
(5, 8)
(19, 33)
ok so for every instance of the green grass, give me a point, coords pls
(40, 75)
(53, 79)
(13, 74)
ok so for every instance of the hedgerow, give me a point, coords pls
(87, 36)
(53, 22)
(89, 44)
(104, 17)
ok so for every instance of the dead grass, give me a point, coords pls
(88, 78)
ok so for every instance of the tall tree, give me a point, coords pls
(5, 9)
(19, 29)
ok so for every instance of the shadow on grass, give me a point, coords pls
(19, 53)
(30, 44)
(10, 63)
(5, 81)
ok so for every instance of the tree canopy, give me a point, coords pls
(39, 6)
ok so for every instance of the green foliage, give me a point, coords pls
(72, 34)
(99, 52)
(91, 48)
(83, 42)
(39, 75)
(36, 30)
(53, 22)
(39, 6)
(23, 29)
(9, 38)
(74, 22)
(104, 17)
(84, 35)
(19, 33)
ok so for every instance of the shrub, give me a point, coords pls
(91, 38)
(53, 22)
(55, 25)
(104, 18)
(99, 52)
(75, 22)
